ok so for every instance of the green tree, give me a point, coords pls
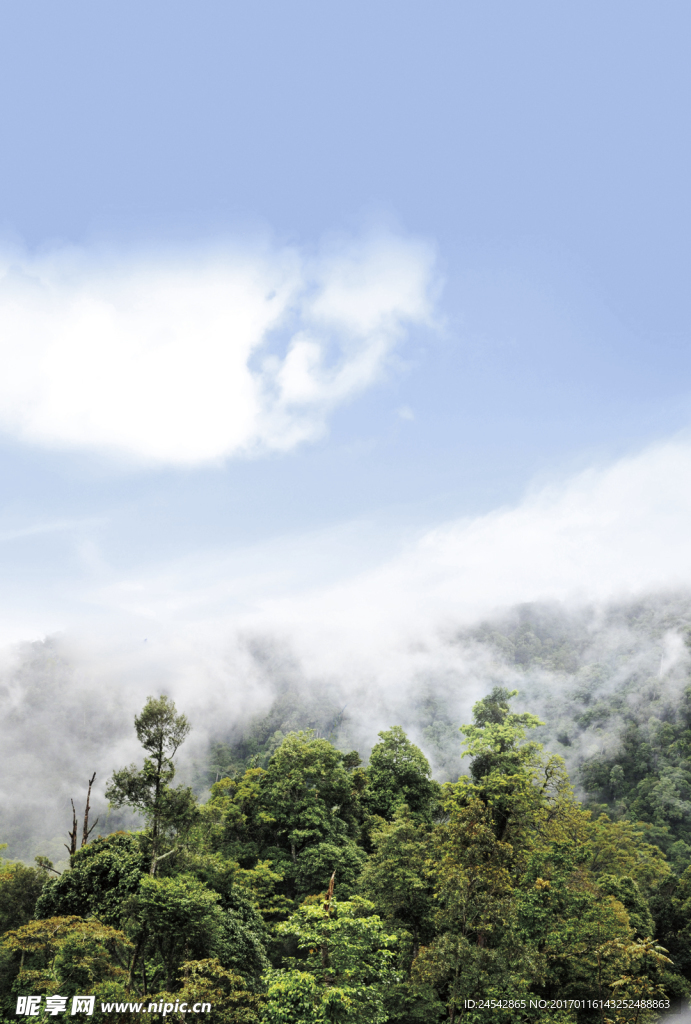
(20, 888)
(171, 918)
(343, 970)
(494, 741)
(240, 932)
(65, 955)
(166, 810)
(301, 813)
(515, 870)
(396, 878)
(625, 889)
(472, 873)
(102, 878)
(649, 777)
(399, 773)
(109, 880)
(208, 981)
(240, 821)
(575, 928)
(671, 908)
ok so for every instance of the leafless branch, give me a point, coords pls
(86, 831)
(72, 848)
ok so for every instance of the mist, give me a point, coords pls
(68, 707)
(578, 597)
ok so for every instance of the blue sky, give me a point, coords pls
(289, 288)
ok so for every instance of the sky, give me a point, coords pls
(345, 322)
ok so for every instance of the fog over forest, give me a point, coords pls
(67, 707)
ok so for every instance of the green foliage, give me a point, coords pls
(626, 891)
(399, 773)
(20, 888)
(649, 778)
(670, 905)
(207, 981)
(500, 884)
(523, 901)
(241, 939)
(396, 876)
(301, 813)
(64, 955)
(180, 916)
(343, 968)
(168, 811)
(104, 875)
(493, 739)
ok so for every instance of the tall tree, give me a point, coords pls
(399, 773)
(302, 812)
(396, 878)
(343, 970)
(167, 810)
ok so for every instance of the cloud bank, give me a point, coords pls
(607, 533)
(182, 361)
(410, 639)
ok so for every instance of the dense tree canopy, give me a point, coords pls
(311, 888)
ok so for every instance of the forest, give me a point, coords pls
(308, 885)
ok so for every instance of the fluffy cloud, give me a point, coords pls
(227, 629)
(185, 361)
(608, 533)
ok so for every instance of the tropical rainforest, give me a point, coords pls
(307, 884)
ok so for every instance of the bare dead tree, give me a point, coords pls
(72, 848)
(86, 831)
(330, 894)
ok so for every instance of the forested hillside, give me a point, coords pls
(311, 886)
(590, 673)
(610, 684)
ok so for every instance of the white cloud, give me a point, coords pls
(185, 361)
(354, 604)
(610, 532)
(606, 533)
(223, 628)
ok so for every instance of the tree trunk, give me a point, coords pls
(157, 810)
(86, 831)
(454, 992)
(135, 958)
(72, 848)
